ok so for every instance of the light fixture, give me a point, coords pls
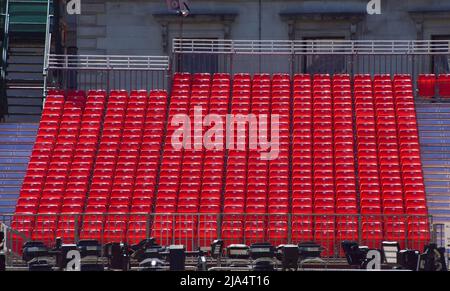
(289, 257)
(216, 248)
(201, 262)
(262, 255)
(177, 257)
(238, 251)
(355, 254)
(408, 259)
(390, 251)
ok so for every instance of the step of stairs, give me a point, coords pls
(434, 131)
(16, 144)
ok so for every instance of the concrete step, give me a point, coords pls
(13, 176)
(25, 110)
(23, 118)
(25, 59)
(23, 92)
(24, 76)
(25, 101)
(10, 182)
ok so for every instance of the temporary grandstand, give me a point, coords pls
(363, 147)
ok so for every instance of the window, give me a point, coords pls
(316, 64)
(440, 64)
(198, 62)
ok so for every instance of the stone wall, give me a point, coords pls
(142, 27)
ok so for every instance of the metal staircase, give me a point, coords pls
(24, 47)
(434, 129)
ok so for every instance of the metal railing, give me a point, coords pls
(4, 64)
(412, 57)
(108, 62)
(47, 49)
(196, 230)
(294, 47)
(107, 72)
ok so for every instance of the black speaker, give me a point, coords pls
(408, 259)
(289, 257)
(177, 257)
(433, 259)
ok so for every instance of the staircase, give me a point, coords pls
(24, 79)
(16, 144)
(434, 128)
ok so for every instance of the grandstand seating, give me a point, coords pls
(106, 166)
(427, 84)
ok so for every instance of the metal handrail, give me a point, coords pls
(48, 44)
(4, 64)
(108, 62)
(300, 47)
(5, 42)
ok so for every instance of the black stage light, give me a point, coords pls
(150, 256)
(34, 250)
(177, 257)
(216, 248)
(262, 250)
(89, 248)
(117, 255)
(263, 255)
(408, 259)
(433, 259)
(144, 244)
(152, 264)
(202, 264)
(289, 257)
(36, 255)
(390, 251)
(61, 256)
(146, 249)
(354, 254)
(238, 251)
(309, 252)
(90, 252)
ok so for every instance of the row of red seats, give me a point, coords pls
(38, 167)
(367, 153)
(193, 169)
(147, 167)
(105, 165)
(278, 194)
(411, 167)
(213, 165)
(82, 165)
(323, 161)
(171, 167)
(237, 165)
(380, 152)
(427, 84)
